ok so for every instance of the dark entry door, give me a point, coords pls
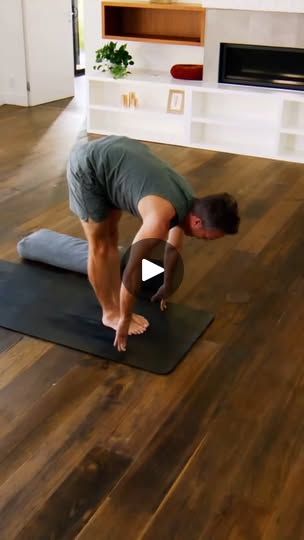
(78, 66)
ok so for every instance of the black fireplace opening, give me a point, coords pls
(257, 65)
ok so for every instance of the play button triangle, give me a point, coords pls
(150, 269)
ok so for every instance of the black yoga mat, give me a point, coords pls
(59, 306)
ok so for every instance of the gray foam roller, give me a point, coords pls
(56, 249)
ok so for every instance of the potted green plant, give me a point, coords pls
(115, 59)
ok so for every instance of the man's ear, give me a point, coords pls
(197, 222)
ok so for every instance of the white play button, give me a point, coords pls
(150, 270)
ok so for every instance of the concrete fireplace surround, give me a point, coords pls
(248, 27)
(287, 6)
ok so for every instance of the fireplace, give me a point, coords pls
(256, 65)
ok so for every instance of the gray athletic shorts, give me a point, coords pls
(87, 196)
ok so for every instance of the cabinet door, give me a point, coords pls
(49, 49)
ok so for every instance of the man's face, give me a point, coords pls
(211, 234)
(197, 230)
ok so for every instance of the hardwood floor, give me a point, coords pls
(96, 450)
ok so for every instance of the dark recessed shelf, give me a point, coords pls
(162, 23)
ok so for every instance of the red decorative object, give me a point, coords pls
(192, 72)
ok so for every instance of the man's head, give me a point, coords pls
(212, 217)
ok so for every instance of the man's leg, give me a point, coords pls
(103, 265)
(115, 258)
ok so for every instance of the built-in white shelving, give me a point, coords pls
(230, 118)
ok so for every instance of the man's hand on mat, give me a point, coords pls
(161, 297)
(127, 326)
(121, 337)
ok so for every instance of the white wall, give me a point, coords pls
(153, 56)
(12, 59)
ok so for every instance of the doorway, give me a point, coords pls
(78, 37)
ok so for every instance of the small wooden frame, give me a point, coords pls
(176, 101)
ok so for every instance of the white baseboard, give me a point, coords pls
(14, 99)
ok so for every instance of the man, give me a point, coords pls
(115, 174)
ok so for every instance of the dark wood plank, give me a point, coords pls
(20, 357)
(160, 400)
(273, 221)
(70, 507)
(31, 384)
(287, 518)
(48, 455)
(8, 339)
(252, 274)
(27, 431)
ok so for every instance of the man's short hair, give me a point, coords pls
(219, 211)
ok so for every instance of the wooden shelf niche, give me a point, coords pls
(161, 23)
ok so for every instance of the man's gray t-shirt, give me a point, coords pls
(117, 172)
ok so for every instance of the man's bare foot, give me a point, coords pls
(112, 322)
(139, 319)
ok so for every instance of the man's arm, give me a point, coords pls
(154, 229)
(174, 246)
(173, 249)
(152, 232)
(176, 237)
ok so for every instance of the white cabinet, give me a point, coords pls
(292, 130)
(236, 119)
